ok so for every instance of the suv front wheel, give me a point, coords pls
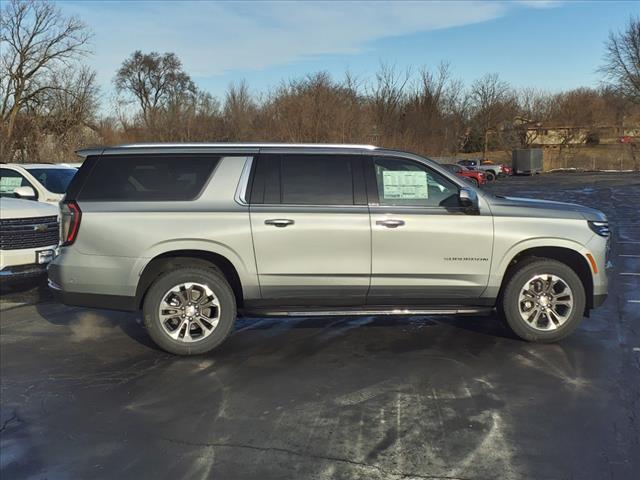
(190, 310)
(544, 301)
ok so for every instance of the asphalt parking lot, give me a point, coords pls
(84, 393)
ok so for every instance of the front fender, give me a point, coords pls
(502, 259)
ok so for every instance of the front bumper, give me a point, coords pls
(22, 271)
(599, 300)
(22, 263)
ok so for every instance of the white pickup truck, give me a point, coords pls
(492, 171)
(29, 234)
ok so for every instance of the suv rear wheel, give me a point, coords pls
(543, 301)
(190, 310)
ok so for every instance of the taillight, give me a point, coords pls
(70, 216)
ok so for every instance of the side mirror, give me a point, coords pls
(468, 199)
(27, 193)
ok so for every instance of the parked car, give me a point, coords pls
(43, 182)
(28, 238)
(476, 177)
(491, 170)
(193, 233)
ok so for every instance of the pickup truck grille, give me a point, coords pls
(18, 233)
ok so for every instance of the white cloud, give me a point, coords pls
(214, 38)
(540, 3)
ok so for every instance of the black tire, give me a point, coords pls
(510, 300)
(218, 284)
(490, 176)
(474, 182)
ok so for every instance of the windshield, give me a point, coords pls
(55, 180)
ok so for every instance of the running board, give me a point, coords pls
(316, 312)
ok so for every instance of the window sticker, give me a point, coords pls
(405, 185)
(9, 184)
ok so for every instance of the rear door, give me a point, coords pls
(311, 230)
(425, 248)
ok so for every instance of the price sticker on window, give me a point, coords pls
(405, 185)
(9, 184)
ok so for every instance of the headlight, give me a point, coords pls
(601, 228)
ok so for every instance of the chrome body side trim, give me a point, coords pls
(241, 191)
(374, 312)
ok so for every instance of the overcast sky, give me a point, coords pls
(547, 44)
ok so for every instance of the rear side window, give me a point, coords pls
(147, 178)
(309, 180)
(55, 180)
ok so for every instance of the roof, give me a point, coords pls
(156, 147)
(38, 165)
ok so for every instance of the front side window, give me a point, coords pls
(148, 178)
(10, 180)
(406, 183)
(55, 180)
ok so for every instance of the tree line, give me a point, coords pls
(51, 100)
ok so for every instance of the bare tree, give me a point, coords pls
(490, 98)
(622, 60)
(36, 40)
(71, 102)
(430, 111)
(155, 82)
(239, 111)
(386, 96)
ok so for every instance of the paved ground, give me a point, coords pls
(84, 394)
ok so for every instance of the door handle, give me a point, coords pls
(390, 223)
(279, 222)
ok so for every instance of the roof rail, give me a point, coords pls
(248, 145)
(85, 152)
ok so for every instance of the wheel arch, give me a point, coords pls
(566, 255)
(170, 260)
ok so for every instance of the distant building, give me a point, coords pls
(555, 136)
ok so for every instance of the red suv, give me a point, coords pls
(476, 177)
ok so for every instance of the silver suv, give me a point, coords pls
(192, 234)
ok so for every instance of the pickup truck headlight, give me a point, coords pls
(601, 228)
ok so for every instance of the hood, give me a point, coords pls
(529, 207)
(16, 208)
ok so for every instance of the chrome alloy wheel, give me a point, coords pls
(189, 312)
(545, 302)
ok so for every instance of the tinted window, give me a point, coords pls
(407, 183)
(316, 180)
(55, 180)
(308, 180)
(147, 177)
(266, 181)
(10, 180)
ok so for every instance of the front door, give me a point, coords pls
(311, 230)
(425, 248)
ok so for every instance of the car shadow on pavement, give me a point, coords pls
(30, 290)
(489, 325)
(93, 323)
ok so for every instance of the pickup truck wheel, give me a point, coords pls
(490, 176)
(544, 301)
(190, 310)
